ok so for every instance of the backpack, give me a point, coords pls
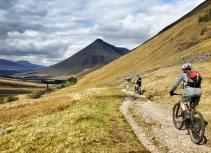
(194, 79)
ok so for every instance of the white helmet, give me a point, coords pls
(186, 66)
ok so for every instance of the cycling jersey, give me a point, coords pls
(190, 93)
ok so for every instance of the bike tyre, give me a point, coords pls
(176, 110)
(202, 128)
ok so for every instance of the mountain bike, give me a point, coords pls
(196, 124)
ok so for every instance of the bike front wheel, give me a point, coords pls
(197, 127)
(177, 116)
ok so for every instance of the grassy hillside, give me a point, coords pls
(87, 121)
(187, 41)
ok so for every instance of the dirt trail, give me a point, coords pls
(153, 126)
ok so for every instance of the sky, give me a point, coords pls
(48, 31)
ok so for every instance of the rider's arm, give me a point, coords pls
(181, 78)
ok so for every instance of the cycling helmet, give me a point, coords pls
(186, 66)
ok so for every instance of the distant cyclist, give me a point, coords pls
(192, 88)
(138, 83)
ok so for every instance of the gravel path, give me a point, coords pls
(153, 126)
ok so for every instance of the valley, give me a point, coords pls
(93, 113)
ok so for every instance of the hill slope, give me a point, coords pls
(30, 66)
(186, 40)
(94, 55)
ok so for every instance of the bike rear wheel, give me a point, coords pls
(177, 116)
(197, 128)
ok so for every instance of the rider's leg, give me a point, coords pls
(186, 98)
(186, 115)
(195, 102)
(182, 105)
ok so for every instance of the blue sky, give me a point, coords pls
(48, 31)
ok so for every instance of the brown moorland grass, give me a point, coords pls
(92, 125)
(17, 90)
(26, 108)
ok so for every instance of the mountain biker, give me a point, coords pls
(138, 83)
(191, 93)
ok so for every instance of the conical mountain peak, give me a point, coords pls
(95, 55)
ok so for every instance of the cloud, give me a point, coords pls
(5, 4)
(48, 31)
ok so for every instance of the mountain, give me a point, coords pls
(30, 66)
(95, 55)
(22, 62)
(186, 40)
(8, 67)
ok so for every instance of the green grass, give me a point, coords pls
(65, 84)
(92, 125)
(36, 94)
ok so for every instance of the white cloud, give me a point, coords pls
(48, 31)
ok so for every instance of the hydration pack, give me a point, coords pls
(194, 79)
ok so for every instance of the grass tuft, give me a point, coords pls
(36, 94)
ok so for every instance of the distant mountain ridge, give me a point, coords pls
(8, 67)
(95, 55)
(28, 65)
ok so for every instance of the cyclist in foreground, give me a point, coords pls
(192, 89)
